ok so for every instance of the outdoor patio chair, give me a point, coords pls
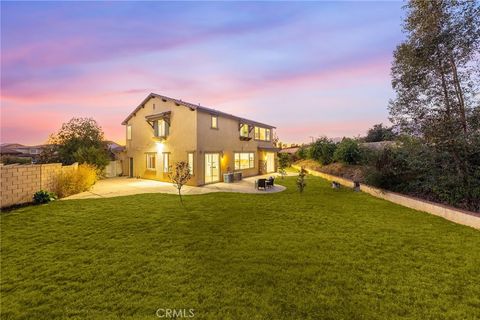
(270, 182)
(261, 183)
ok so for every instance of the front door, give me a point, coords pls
(131, 167)
(212, 167)
(270, 162)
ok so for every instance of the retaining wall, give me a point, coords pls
(459, 216)
(18, 183)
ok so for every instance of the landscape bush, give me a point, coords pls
(302, 153)
(43, 196)
(347, 152)
(322, 150)
(422, 171)
(76, 181)
(284, 160)
(13, 160)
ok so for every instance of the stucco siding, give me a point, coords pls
(190, 131)
(180, 140)
(225, 140)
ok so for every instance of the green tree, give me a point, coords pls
(79, 140)
(348, 152)
(92, 155)
(302, 152)
(301, 184)
(436, 78)
(379, 132)
(322, 150)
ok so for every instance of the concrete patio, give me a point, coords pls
(123, 186)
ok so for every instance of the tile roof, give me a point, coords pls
(193, 107)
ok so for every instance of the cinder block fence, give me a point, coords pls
(18, 183)
(467, 218)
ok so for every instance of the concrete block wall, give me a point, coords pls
(18, 183)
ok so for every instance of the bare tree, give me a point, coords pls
(180, 176)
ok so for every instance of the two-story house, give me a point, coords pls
(162, 131)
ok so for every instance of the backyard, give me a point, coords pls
(323, 254)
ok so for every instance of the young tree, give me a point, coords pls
(180, 176)
(283, 162)
(301, 184)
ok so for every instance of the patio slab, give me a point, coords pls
(124, 186)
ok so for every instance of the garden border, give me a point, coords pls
(456, 215)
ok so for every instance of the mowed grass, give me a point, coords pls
(324, 254)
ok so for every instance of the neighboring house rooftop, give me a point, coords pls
(193, 107)
(8, 151)
(290, 150)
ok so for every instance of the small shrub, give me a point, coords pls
(15, 160)
(43, 196)
(347, 152)
(301, 184)
(76, 181)
(284, 160)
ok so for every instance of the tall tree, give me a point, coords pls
(436, 76)
(379, 132)
(79, 140)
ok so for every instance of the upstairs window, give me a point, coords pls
(244, 130)
(129, 132)
(161, 128)
(262, 134)
(214, 122)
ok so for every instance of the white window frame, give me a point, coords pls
(250, 157)
(151, 163)
(212, 122)
(166, 162)
(265, 132)
(244, 134)
(161, 128)
(129, 132)
(190, 161)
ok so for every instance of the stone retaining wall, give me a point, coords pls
(18, 183)
(459, 216)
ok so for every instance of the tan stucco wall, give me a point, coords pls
(225, 139)
(190, 131)
(181, 139)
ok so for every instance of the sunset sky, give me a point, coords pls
(307, 68)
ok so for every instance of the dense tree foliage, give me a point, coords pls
(347, 152)
(79, 140)
(322, 150)
(437, 83)
(379, 132)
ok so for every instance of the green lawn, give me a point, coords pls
(324, 254)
